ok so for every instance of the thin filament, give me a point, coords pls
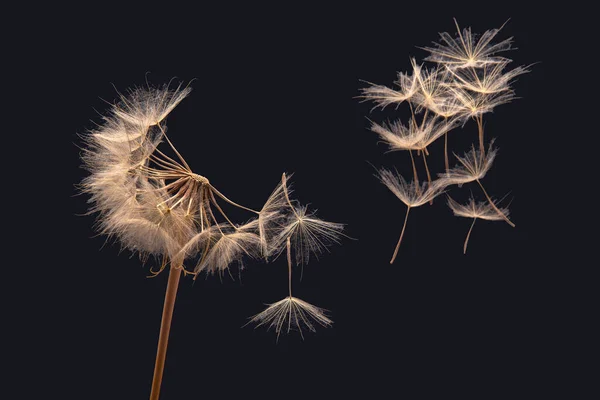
(500, 213)
(401, 235)
(468, 235)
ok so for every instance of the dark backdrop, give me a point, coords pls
(274, 91)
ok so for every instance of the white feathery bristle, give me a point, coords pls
(473, 166)
(474, 209)
(308, 235)
(411, 193)
(290, 314)
(467, 50)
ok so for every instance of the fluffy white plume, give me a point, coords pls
(415, 135)
(289, 314)
(474, 209)
(411, 193)
(468, 50)
(384, 96)
(308, 234)
(473, 166)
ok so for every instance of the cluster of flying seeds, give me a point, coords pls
(148, 198)
(467, 80)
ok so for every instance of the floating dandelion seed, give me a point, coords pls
(290, 313)
(487, 80)
(475, 210)
(467, 50)
(411, 194)
(384, 96)
(414, 136)
(473, 166)
(308, 234)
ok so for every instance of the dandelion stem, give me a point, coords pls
(165, 328)
(289, 260)
(401, 235)
(494, 205)
(468, 235)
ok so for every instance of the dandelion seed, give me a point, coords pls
(474, 166)
(467, 50)
(413, 136)
(486, 80)
(308, 234)
(411, 194)
(384, 96)
(291, 312)
(476, 210)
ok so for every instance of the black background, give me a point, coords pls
(273, 91)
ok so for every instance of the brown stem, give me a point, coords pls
(401, 235)
(468, 235)
(165, 328)
(289, 259)
(412, 159)
(500, 213)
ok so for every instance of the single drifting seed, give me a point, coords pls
(411, 194)
(475, 210)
